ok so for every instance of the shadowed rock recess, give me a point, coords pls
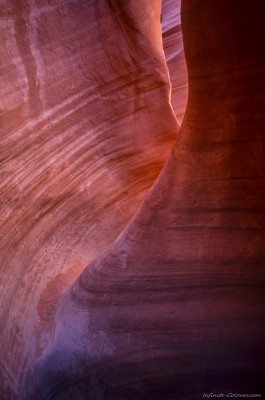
(110, 291)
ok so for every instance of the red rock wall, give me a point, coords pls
(86, 127)
(174, 307)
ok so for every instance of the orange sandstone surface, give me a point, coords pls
(132, 249)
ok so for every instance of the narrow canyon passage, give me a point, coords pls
(174, 307)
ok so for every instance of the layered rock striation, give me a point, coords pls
(173, 308)
(86, 126)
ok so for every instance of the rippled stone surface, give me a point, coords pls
(173, 308)
(86, 127)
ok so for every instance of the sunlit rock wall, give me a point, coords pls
(174, 308)
(174, 53)
(86, 126)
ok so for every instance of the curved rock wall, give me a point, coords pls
(173, 308)
(86, 126)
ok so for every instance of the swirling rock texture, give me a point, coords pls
(173, 308)
(86, 127)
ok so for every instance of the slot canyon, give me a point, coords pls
(132, 199)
